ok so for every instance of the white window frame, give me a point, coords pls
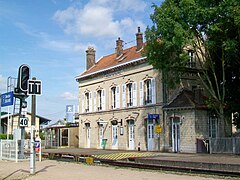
(129, 93)
(147, 92)
(192, 60)
(87, 99)
(213, 127)
(114, 97)
(100, 100)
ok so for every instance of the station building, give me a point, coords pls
(121, 105)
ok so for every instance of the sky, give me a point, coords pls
(51, 37)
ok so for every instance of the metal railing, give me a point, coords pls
(229, 145)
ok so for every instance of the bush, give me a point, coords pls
(4, 136)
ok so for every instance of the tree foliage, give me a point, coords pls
(212, 29)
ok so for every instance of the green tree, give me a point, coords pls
(211, 28)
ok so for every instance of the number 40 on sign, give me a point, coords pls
(23, 122)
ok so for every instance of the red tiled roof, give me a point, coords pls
(111, 60)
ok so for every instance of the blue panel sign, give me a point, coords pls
(153, 116)
(69, 113)
(7, 99)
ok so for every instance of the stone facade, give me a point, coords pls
(129, 118)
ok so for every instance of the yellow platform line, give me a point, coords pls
(124, 155)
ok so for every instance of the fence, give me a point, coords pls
(9, 150)
(50, 143)
(225, 145)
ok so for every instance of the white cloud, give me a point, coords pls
(61, 45)
(101, 18)
(92, 20)
(69, 96)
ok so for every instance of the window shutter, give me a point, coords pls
(90, 101)
(94, 101)
(141, 92)
(110, 98)
(134, 94)
(124, 95)
(118, 97)
(83, 109)
(153, 84)
(103, 100)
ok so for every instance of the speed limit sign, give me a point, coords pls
(23, 122)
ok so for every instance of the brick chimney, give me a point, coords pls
(139, 39)
(90, 57)
(119, 47)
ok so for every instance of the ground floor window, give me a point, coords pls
(213, 121)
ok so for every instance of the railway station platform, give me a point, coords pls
(212, 163)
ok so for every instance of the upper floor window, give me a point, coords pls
(147, 91)
(100, 95)
(99, 100)
(113, 95)
(192, 61)
(129, 95)
(86, 102)
(115, 99)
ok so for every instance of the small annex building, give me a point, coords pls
(188, 122)
(61, 134)
(9, 122)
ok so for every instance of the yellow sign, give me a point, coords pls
(158, 129)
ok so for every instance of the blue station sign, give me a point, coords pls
(153, 116)
(7, 99)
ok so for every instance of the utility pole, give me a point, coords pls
(32, 144)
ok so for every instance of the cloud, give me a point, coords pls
(69, 96)
(101, 18)
(62, 45)
(29, 31)
(94, 21)
(48, 42)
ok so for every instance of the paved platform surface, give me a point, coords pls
(58, 170)
(207, 162)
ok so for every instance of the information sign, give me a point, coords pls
(7, 99)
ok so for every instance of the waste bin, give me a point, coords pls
(104, 142)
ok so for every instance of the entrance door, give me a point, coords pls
(131, 135)
(114, 137)
(150, 135)
(87, 135)
(101, 128)
(176, 136)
